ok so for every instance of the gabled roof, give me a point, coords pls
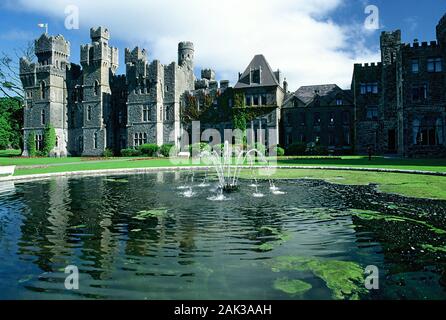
(307, 93)
(326, 94)
(267, 76)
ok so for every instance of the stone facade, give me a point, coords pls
(400, 103)
(92, 108)
(396, 106)
(319, 115)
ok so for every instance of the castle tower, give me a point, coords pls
(99, 62)
(441, 31)
(45, 88)
(186, 54)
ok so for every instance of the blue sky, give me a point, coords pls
(311, 42)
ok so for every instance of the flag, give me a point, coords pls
(42, 25)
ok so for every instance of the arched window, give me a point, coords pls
(42, 117)
(96, 88)
(43, 90)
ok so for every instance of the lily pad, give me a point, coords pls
(293, 287)
(266, 247)
(146, 214)
(344, 278)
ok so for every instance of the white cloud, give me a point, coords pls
(295, 36)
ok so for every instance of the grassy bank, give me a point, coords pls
(405, 184)
(418, 186)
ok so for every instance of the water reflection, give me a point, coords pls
(134, 237)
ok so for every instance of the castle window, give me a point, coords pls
(302, 137)
(43, 117)
(248, 101)
(96, 88)
(39, 142)
(89, 113)
(419, 93)
(369, 88)
(331, 139)
(339, 102)
(332, 119)
(145, 113)
(43, 90)
(317, 119)
(168, 113)
(255, 100)
(345, 118)
(95, 140)
(372, 113)
(415, 66)
(363, 88)
(303, 120)
(263, 101)
(435, 65)
(346, 137)
(57, 141)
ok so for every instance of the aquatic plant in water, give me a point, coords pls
(293, 287)
(155, 213)
(344, 278)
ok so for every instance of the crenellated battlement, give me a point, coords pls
(135, 55)
(48, 44)
(424, 44)
(367, 65)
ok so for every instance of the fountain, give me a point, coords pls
(228, 173)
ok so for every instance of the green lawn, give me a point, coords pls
(412, 185)
(405, 184)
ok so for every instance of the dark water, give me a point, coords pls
(202, 249)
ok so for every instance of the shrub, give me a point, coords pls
(49, 140)
(149, 150)
(260, 147)
(296, 149)
(320, 150)
(280, 152)
(166, 149)
(130, 153)
(196, 148)
(108, 153)
(31, 144)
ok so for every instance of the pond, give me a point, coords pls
(143, 237)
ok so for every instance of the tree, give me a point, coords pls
(31, 144)
(49, 140)
(10, 83)
(12, 111)
(5, 133)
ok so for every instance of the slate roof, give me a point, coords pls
(326, 93)
(267, 77)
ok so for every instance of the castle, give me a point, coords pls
(91, 107)
(396, 106)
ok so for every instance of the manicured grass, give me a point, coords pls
(101, 165)
(10, 153)
(404, 184)
(438, 165)
(411, 185)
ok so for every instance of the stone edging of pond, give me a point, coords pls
(117, 172)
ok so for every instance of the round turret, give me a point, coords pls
(186, 54)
